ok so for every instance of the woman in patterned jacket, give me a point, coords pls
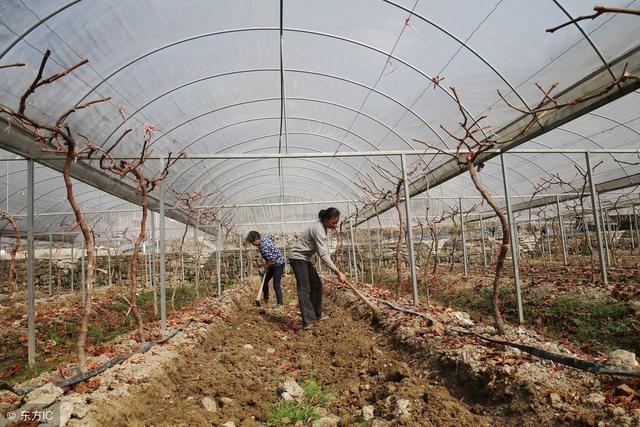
(274, 264)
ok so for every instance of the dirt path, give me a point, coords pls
(250, 355)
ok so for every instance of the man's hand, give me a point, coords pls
(341, 277)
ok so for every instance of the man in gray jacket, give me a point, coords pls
(313, 241)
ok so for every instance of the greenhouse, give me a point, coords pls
(441, 198)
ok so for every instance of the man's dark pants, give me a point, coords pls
(309, 287)
(274, 273)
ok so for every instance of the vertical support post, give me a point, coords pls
(31, 298)
(513, 239)
(196, 253)
(109, 266)
(218, 260)
(407, 211)
(163, 272)
(50, 265)
(353, 250)
(635, 222)
(73, 263)
(241, 260)
(596, 219)
(6, 175)
(605, 230)
(563, 238)
(484, 249)
(633, 244)
(546, 233)
(83, 285)
(370, 251)
(464, 240)
(152, 264)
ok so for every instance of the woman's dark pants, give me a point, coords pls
(309, 287)
(274, 273)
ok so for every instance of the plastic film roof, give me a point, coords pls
(357, 76)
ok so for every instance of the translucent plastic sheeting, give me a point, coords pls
(358, 77)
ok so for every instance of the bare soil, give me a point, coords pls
(245, 359)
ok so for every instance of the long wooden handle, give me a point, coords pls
(259, 296)
(374, 308)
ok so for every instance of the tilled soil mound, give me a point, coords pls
(239, 367)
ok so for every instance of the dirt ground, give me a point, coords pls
(246, 359)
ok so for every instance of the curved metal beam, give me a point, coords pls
(34, 26)
(241, 30)
(320, 101)
(255, 119)
(342, 160)
(463, 44)
(301, 178)
(222, 172)
(587, 38)
(305, 72)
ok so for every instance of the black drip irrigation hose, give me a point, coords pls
(116, 360)
(574, 362)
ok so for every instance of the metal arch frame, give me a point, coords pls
(286, 180)
(321, 101)
(412, 13)
(204, 201)
(254, 119)
(120, 202)
(597, 143)
(271, 136)
(294, 30)
(587, 38)
(463, 44)
(34, 26)
(212, 168)
(304, 72)
(226, 185)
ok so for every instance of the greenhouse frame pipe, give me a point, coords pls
(635, 221)
(353, 250)
(589, 84)
(563, 237)
(484, 251)
(370, 251)
(595, 208)
(302, 31)
(587, 37)
(109, 273)
(605, 232)
(83, 289)
(514, 242)
(241, 260)
(196, 255)
(6, 178)
(218, 257)
(407, 211)
(152, 263)
(290, 70)
(72, 266)
(163, 272)
(18, 141)
(50, 265)
(381, 153)
(633, 244)
(464, 240)
(546, 234)
(31, 297)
